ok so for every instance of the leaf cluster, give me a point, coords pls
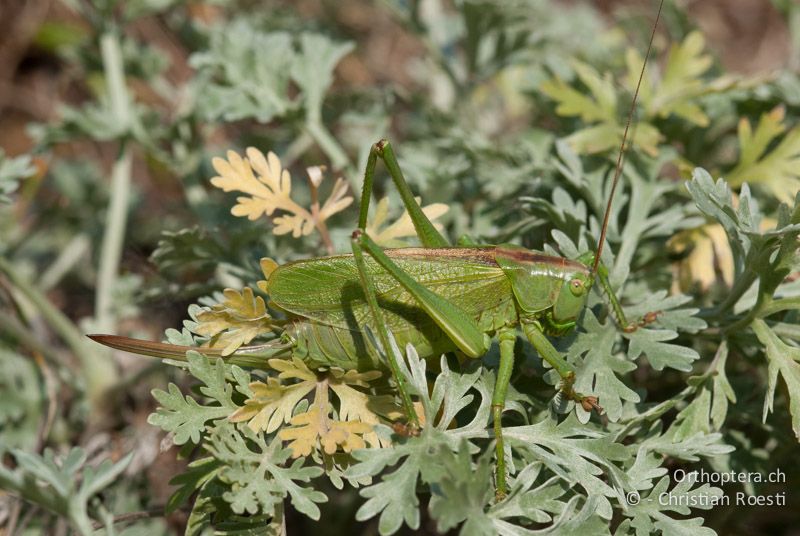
(506, 117)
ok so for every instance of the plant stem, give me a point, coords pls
(59, 322)
(790, 331)
(329, 145)
(780, 305)
(103, 370)
(128, 517)
(113, 68)
(318, 222)
(97, 372)
(72, 254)
(111, 248)
(740, 286)
(13, 327)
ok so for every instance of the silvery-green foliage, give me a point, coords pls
(713, 383)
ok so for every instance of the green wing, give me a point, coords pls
(328, 290)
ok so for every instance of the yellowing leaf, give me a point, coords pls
(271, 404)
(390, 235)
(676, 93)
(337, 201)
(312, 426)
(239, 319)
(778, 169)
(608, 136)
(267, 267)
(709, 259)
(267, 192)
(315, 428)
(269, 186)
(599, 111)
(681, 83)
(600, 105)
(295, 368)
(296, 224)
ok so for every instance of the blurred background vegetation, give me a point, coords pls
(110, 113)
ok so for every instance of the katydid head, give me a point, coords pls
(572, 297)
(552, 289)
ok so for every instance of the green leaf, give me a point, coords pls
(255, 473)
(394, 497)
(313, 67)
(685, 447)
(599, 110)
(601, 103)
(462, 493)
(195, 477)
(598, 373)
(766, 161)
(708, 409)
(183, 415)
(187, 248)
(538, 503)
(575, 453)
(12, 170)
(784, 360)
(22, 401)
(245, 73)
(681, 84)
(741, 223)
(648, 516)
(651, 342)
(63, 486)
(766, 255)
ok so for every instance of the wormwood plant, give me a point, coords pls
(569, 472)
(713, 383)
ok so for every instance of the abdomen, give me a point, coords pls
(325, 297)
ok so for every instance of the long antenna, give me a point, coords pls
(622, 147)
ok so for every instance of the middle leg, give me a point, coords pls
(506, 337)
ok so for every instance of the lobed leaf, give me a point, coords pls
(239, 319)
(574, 453)
(66, 486)
(268, 187)
(784, 361)
(182, 415)
(648, 516)
(598, 373)
(389, 235)
(255, 473)
(766, 161)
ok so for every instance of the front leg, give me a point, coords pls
(533, 331)
(627, 327)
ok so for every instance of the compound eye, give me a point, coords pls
(576, 287)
